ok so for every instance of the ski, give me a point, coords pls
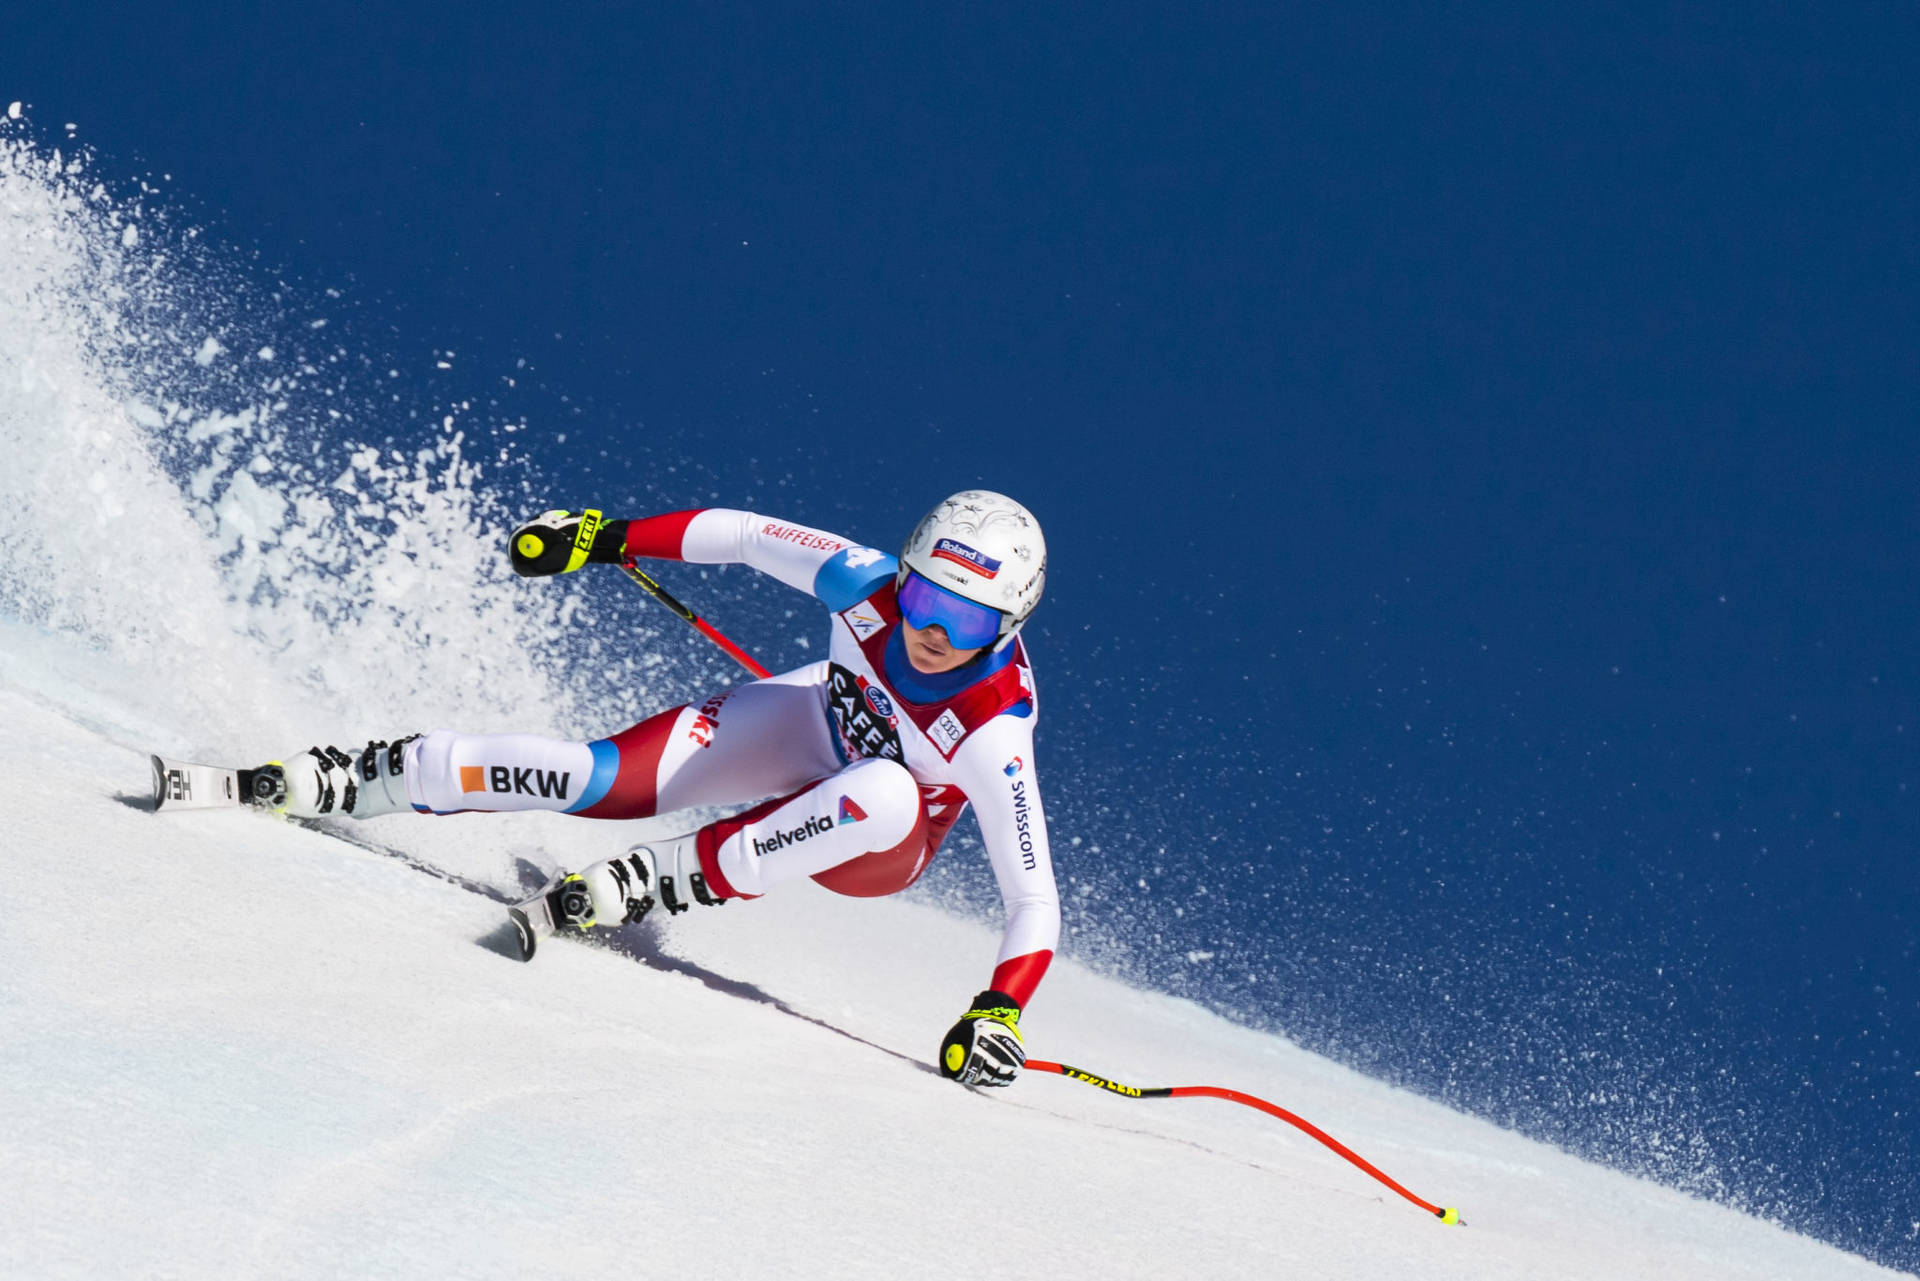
(188, 785)
(533, 918)
(185, 785)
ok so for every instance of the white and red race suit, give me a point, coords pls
(868, 761)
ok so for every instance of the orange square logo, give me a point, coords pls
(473, 778)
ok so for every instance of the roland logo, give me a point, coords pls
(968, 558)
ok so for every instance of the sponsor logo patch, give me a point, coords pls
(1023, 825)
(1131, 1091)
(863, 623)
(877, 699)
(863, 732)
(512, 780)
(706, 720)
(1014, 766)
(801, 537)
(793, 835)
(850, 811)
(966, 557)
(947, 731)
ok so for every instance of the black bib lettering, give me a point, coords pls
(864, 733)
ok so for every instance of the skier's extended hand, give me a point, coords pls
(984, 1046)
(559, 542)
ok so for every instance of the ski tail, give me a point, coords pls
(183, 785)
(533, 919)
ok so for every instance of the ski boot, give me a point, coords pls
(324, 781)
(618, 891)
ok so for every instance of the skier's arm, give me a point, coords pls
(994, 767)
(837, 571)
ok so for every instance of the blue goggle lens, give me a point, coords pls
(968, 624)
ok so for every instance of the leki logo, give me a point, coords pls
(512, 779)
(851, 812)
(1132, 1091)
(967, 557)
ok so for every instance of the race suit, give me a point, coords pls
(868, 762)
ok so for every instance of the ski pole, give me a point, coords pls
(1446, 1214)
(701, 625)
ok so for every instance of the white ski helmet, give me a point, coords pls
(983, 547)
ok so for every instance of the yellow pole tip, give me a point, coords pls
(1451, 1216)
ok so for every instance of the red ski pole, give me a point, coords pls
(699, 624)
(1446, 1214)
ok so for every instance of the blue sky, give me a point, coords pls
(1477, 449)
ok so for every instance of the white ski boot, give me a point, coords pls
(617, 891)
(323, 781)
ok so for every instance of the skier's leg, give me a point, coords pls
(861, 830)
(764, 737)
(448, 772)
(441, 773)
(869, 810)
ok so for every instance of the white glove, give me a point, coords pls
(984, 1046)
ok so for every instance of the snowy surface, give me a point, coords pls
(230, 1047)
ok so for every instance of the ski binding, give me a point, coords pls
(536, 918)
(184, 785)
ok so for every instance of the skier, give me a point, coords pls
(860, 764)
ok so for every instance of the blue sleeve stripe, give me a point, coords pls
(606, 765)
(842, 585)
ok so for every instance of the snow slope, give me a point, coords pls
(231, 1047)
(236, 1048)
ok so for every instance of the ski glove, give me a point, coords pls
(559, 542)
(984, 1046)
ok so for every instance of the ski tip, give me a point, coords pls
(159, 781)
(523, 929)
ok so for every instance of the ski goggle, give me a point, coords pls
(968, 624)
